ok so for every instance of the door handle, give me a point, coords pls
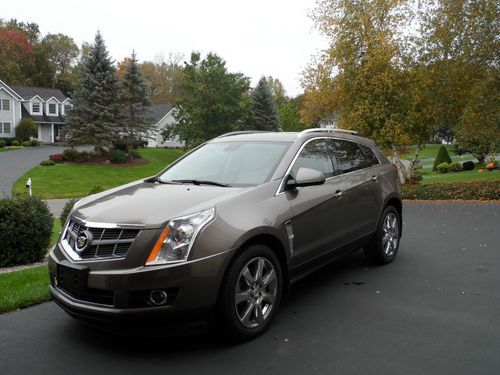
(338, 194)
(374, 178)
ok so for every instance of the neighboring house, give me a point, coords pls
(163, 115)
(47, 107)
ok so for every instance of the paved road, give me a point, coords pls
(13, 164)
(436, 310)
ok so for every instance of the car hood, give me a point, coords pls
(151, 204)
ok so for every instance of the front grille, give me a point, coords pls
(107, 242)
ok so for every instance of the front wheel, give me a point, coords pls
(251, 293)
(385, 243)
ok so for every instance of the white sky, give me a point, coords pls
(255, 37)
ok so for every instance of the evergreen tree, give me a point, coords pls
(442, 157)
(135, 102)
(94, 117)
(265, 115)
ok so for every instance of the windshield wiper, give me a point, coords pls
(201, 182)
(156, 179)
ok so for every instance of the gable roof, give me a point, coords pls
(28, 93)
(158, 111)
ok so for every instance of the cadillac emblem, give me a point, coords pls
(83, 240)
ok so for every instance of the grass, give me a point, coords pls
(76, 180)
(430, 177)
(428, 151)
(56, 231)
(24, 288)
(9, 148)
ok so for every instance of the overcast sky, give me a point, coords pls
(255, 37)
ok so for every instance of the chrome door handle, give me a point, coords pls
(338, 194)
(374, 178)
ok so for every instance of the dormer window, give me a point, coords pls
(67, 108)
(52, 108)
(35, 107)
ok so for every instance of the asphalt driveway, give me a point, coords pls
(13, 164)
(436, 310)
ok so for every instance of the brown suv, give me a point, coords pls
(228, 226)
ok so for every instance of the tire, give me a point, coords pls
(248, 302)
(384, 246)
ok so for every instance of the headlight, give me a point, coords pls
(178, 237)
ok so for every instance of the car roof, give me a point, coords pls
(263, 136)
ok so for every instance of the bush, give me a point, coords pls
(96, 189)
(468, 165)
(118, 156)
(455, 167)
(135, 154)
(480, 190)
(26, 129)
(442, 157)
(26, 143)
(2, 143)
(443, 168)
(34, 143)
(67, 210)
(47, 163)
(8, 141)
(75, 156)
(56, 158)
(25, 229)
(15, 142)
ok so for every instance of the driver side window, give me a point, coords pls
(314, 155)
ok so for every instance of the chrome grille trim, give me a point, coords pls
(111, 241)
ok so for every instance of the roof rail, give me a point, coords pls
(241, 132)
(326, 130)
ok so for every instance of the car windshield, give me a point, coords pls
(228, 163)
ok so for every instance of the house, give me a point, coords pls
(163, 115)
(47, 107)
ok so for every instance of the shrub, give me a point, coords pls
(468, 165)
(26, 129)
(25, 229)
(96, 189)
(118, 156)
(479, 190)
(47, 163)
(443, 167)
(8, 140)
(2, 143)
(67, 210)
(35, 143)
(135, 154)
(15, 142)
(56, 158)
(455, 167)
(26, 143)
(78, 157)
(442, 157)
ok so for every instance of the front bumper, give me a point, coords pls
(116, 294)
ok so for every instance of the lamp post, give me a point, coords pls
(28, 185)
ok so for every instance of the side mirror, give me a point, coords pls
(305, 177)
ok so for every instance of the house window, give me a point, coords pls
(6, 104)
(67, 108)
(6, 128)
(52, 108)
(35, 107)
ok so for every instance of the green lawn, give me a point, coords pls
(24, 288)
(76, 180)
(56, 231)
(9, 148)
(465, 176)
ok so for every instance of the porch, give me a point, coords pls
(50, 133)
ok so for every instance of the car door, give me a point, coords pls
(362, 191)
(317, 212)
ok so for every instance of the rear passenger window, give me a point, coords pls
(314, 155)
(369, 155)
(349, 156)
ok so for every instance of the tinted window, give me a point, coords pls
(371, 159)
(314, 155)
(233, 163)
(349, 155)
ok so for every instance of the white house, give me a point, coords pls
(47, 107)
(163, 115)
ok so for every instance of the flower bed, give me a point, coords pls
(484, 190)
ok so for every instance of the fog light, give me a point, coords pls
(158, 297)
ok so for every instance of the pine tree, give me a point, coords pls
(135, 102)
(265, 115)
(94, 117)
(442, 157)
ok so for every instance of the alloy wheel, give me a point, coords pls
(390, 234)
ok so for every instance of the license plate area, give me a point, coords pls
(72, 277)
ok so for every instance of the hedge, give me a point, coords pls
(480, 190)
